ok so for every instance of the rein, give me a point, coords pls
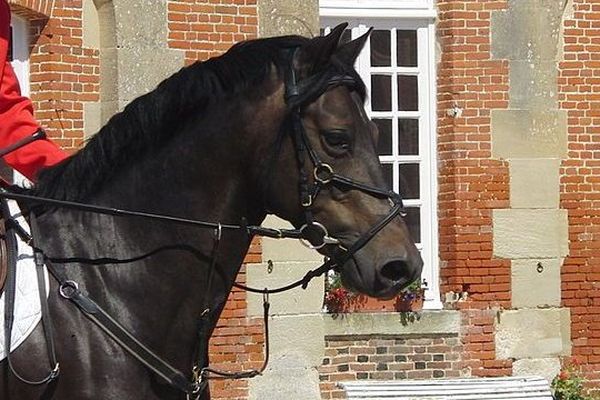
(298, 94)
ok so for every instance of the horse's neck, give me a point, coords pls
(162, 296)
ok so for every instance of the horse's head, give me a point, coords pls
(328, 171)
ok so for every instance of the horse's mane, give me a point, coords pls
(149, 121)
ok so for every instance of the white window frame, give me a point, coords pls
(363, 13)
(20, 52)
(20, 64)
(395, 9)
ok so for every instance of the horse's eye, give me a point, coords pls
(339, 139)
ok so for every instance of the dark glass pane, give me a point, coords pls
(413, 223)
(388, 174)
(384, 145)
(381, 93)
(346, 36)
(409, 181)
(381, 53)
(407, 48)
(408, 93)
(408, 137)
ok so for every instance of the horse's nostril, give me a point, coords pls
(395, 270)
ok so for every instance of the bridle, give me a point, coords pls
(298, 94)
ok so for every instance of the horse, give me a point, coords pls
(272, 126)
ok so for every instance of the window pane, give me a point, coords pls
(381, 93)
(408, 95)
(409, 181)
(407, 48)
(408, 137)
(413, 223)
(388, 175)
(381, 54)
(384, 145)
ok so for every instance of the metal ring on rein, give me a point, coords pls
(68, 289)
(325, 240)
(323, 173)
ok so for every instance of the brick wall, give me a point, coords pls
(63, 73)
(579, 91)
(349, 358)
(207, 28)
(471, 183)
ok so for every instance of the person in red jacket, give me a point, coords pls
(16, 115)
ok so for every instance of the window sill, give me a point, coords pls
(389, 323)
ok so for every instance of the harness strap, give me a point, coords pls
(70, 290)
(332, 263)
(12, 230)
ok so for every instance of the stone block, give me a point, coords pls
(535, 285)
(534, 183)
(533, 333)
(92, 119)
(131, 32)
(529, 134)
(91, 25)
(288, 17)
(545, 367)
(142, 69)
(282, 382)
(298, 341)
(279, 250)
(297, 349)
(520, 233)
(533, 85)
(527, 30)
(295, 301)
(430, 323)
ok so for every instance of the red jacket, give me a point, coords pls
(16, 114)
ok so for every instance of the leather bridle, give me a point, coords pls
(298, 95)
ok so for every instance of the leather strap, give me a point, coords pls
(12, 230)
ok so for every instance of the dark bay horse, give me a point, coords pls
(214, 142)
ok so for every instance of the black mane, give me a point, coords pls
(152, 119)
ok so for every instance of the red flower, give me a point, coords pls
(564, 375)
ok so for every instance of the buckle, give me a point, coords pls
(307, 201)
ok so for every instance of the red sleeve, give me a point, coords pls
(16, 115)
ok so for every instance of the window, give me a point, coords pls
(19, 51)
(397, 66)
(19, 56)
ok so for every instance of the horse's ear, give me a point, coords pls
(348, 52)
(319, 50)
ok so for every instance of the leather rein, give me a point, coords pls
(298, 94)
